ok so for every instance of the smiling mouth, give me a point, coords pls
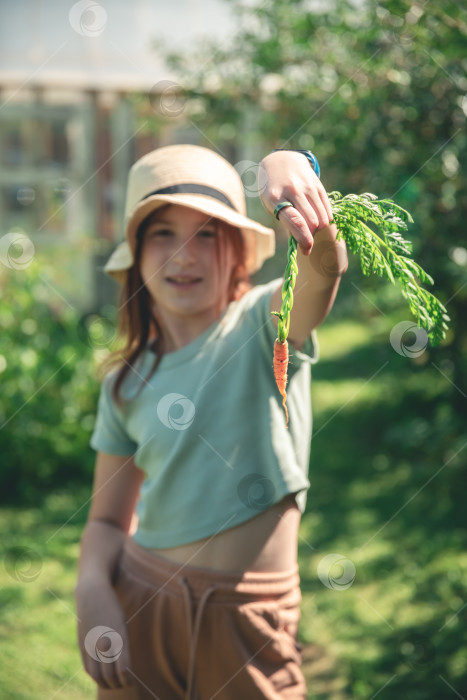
(183, 281)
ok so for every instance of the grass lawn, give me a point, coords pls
(384, 617)
(40, 657)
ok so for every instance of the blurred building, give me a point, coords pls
(79, 84)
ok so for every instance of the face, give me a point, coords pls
(179, 263)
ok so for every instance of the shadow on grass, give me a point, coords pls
(387, 494)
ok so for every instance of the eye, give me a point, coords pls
(208, 233)
(163, 232)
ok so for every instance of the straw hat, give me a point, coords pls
(193, 177)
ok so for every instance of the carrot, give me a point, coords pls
(281, 346)
(281, 361)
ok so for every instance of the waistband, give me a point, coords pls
(198, 585)
(234, 587)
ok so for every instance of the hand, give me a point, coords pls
(105, 656)
(287, 176)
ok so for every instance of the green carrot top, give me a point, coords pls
(383, 252)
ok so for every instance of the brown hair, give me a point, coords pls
(137, 324)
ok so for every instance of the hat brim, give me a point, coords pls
(260, 240)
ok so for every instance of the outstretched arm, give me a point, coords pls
(322, 260)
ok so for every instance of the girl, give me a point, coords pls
(198, 596)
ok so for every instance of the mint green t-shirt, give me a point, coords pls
(208, 428)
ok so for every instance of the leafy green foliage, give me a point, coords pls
(377, 91)
(49, 394)
(386, 253)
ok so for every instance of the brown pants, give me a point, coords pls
(199, 634)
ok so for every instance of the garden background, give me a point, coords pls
(378, 91)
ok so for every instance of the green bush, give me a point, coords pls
(49, 392)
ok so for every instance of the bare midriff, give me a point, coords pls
(266, 542)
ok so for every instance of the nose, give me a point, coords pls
(185, 252)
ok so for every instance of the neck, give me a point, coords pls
(179, 332)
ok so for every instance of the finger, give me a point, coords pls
(123, 670)
(116, 673)
(109, 649)
(93, 668)
(103, 673)
(304, 205)
(113, 674)
(110, 677)
(90, 666)
(326, 203)
(296, 226)
(317, 205)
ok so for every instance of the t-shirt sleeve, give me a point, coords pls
(260, 317)
(109, 434)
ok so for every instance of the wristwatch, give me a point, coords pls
(311, 157)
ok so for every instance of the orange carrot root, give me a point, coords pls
(281, 361)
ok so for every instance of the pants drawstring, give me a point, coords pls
(193, 632)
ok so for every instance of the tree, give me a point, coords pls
(378, 90)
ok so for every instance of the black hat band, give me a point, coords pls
(193, 188)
